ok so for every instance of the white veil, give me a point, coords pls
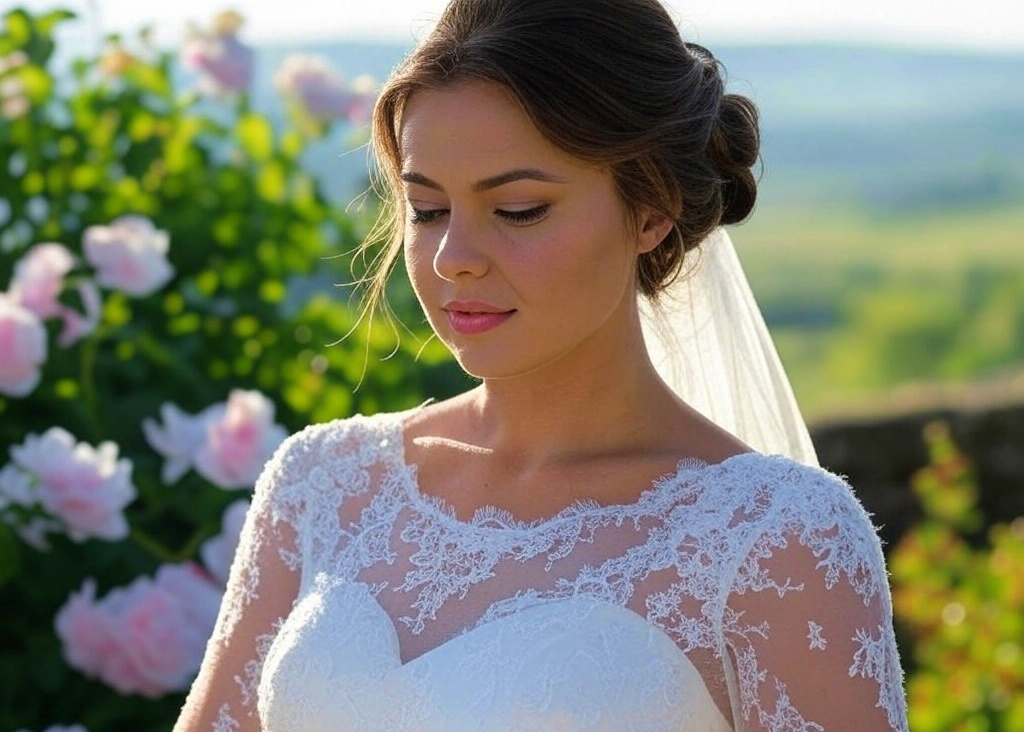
(709, 342)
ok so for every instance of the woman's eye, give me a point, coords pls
(426, 215)
(525, 216)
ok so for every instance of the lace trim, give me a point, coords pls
(663, 492)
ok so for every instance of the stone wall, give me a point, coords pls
(878, 456)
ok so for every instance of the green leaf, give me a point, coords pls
(19, 27)
(256, 136)
(37, 83)
(86, 177)
(271, 183)
(149, 78)
(292, 144)
(46, 23)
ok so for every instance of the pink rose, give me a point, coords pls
(17, 488)
(239, 441)
(225, 63)
(78, 325)
(22, 348)
(37, 283)
(315, 86)
(364, 90)
(179, 439)
(199, 596)
(89, 636)
(130, 255)
(85, 487)
(218, 552)
(226, 443)
(147, 638)
(39, 278)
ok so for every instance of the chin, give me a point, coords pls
(486, 368)
(501, 361)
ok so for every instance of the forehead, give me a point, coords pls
(472, 127)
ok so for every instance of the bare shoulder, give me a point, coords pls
(448, 419)
(690, 434)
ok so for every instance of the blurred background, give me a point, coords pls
(886, 252)
(886, 247)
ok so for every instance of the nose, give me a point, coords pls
(459, 253)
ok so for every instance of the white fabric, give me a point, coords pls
(752, 591)
(709, 342)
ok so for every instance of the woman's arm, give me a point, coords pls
(260, 592)
(808, 624)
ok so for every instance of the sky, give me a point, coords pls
(960, 24)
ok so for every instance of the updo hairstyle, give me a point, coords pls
(608, 81)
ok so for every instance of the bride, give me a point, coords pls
(597, 537)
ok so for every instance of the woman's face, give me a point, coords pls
(519, 254)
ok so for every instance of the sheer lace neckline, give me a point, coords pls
(656, 498)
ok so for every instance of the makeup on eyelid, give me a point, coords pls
(513, 216)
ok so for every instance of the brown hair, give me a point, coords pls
(608, 81)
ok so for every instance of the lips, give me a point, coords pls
(471, 318)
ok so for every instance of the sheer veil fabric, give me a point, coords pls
(709, 342)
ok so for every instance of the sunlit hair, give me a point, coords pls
(608, 81)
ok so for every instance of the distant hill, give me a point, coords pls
(893, 130)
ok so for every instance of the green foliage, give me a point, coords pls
(860, 305)
(929, 328)
(962, 607)
(255, 246)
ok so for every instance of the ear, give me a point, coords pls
(654, 227)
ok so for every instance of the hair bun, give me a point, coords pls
(733, 149)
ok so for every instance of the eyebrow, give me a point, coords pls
(488, 183)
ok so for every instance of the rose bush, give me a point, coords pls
(958, 594)
(166, 315)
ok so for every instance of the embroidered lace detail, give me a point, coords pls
(225, 722)
(398, 601)
(786, 718)
(249, 681)
(876, 658)
(814, 635)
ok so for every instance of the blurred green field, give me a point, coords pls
(867, 309)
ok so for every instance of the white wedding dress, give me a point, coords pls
(748, 595)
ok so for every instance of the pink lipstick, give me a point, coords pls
(471, 318)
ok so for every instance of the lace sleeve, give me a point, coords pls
(808, 623)
(261, 588)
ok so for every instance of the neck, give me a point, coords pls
(603, 397)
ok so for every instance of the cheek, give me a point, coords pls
(591, 256)
(419, 262)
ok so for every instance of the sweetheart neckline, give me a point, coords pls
(633, 617)
(676, 669)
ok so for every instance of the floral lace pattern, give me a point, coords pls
(735, 582)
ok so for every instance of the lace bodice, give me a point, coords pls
(747, 595)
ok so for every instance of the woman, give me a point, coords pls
(570, 545)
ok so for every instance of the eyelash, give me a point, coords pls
(521, 218)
